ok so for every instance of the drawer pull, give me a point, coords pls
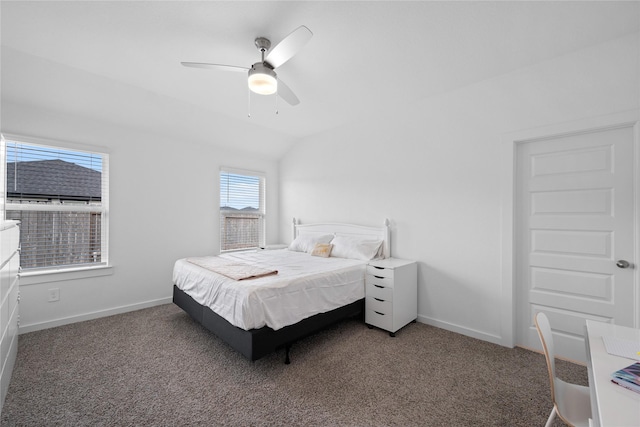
(378, 277)
(381, 314)
(379, 268)
(378, 299)
(378, 286)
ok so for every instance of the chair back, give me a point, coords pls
(546, 337)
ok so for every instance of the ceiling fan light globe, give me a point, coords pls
(263, 84)
(262, 79)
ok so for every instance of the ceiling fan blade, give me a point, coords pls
(288, 47)
(215, 66)
(287, 94)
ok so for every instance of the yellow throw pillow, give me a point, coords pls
(322, 249)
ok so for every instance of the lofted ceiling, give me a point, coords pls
(119, 61)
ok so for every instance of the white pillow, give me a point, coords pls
(306, 242)
(355, 247)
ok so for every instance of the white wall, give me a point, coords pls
(163, 206)
(433, 168)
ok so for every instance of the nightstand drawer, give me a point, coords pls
(379, 319)
(377, 280)
(380, 272)
(380, 305)
(378, 291)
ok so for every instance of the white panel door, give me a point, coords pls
(575, 201)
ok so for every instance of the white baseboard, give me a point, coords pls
(23, 329)
(495, 339)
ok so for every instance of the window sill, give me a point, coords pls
(35, 277)
(230, 251)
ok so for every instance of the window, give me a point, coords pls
(61, 198)
(241, 209)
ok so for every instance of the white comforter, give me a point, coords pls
(304, 286)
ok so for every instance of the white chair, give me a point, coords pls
(571, 402)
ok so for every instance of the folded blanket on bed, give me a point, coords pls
(232, 269)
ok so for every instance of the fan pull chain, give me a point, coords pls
(249, 102)
(277, 97)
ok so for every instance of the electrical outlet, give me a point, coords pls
(54, 294)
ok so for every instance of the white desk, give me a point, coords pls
(611, 405)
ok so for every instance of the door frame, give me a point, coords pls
(510, 142)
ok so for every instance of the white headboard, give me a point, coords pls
(381, 233)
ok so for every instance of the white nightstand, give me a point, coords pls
(391, 294)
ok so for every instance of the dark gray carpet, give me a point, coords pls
(157, 367)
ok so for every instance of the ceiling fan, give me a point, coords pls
(262, 76)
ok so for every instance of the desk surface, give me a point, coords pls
(614, 405)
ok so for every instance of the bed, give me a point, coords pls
(295, 294)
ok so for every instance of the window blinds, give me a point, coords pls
(241, 209)
(60, 197)
(35, 173)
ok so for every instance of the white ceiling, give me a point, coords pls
(120, 61)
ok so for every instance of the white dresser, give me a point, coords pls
(391, 294)
(9, 298)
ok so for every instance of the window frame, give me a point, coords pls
(261, 209)
(74, 271)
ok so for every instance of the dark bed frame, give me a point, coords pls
(256, 343)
